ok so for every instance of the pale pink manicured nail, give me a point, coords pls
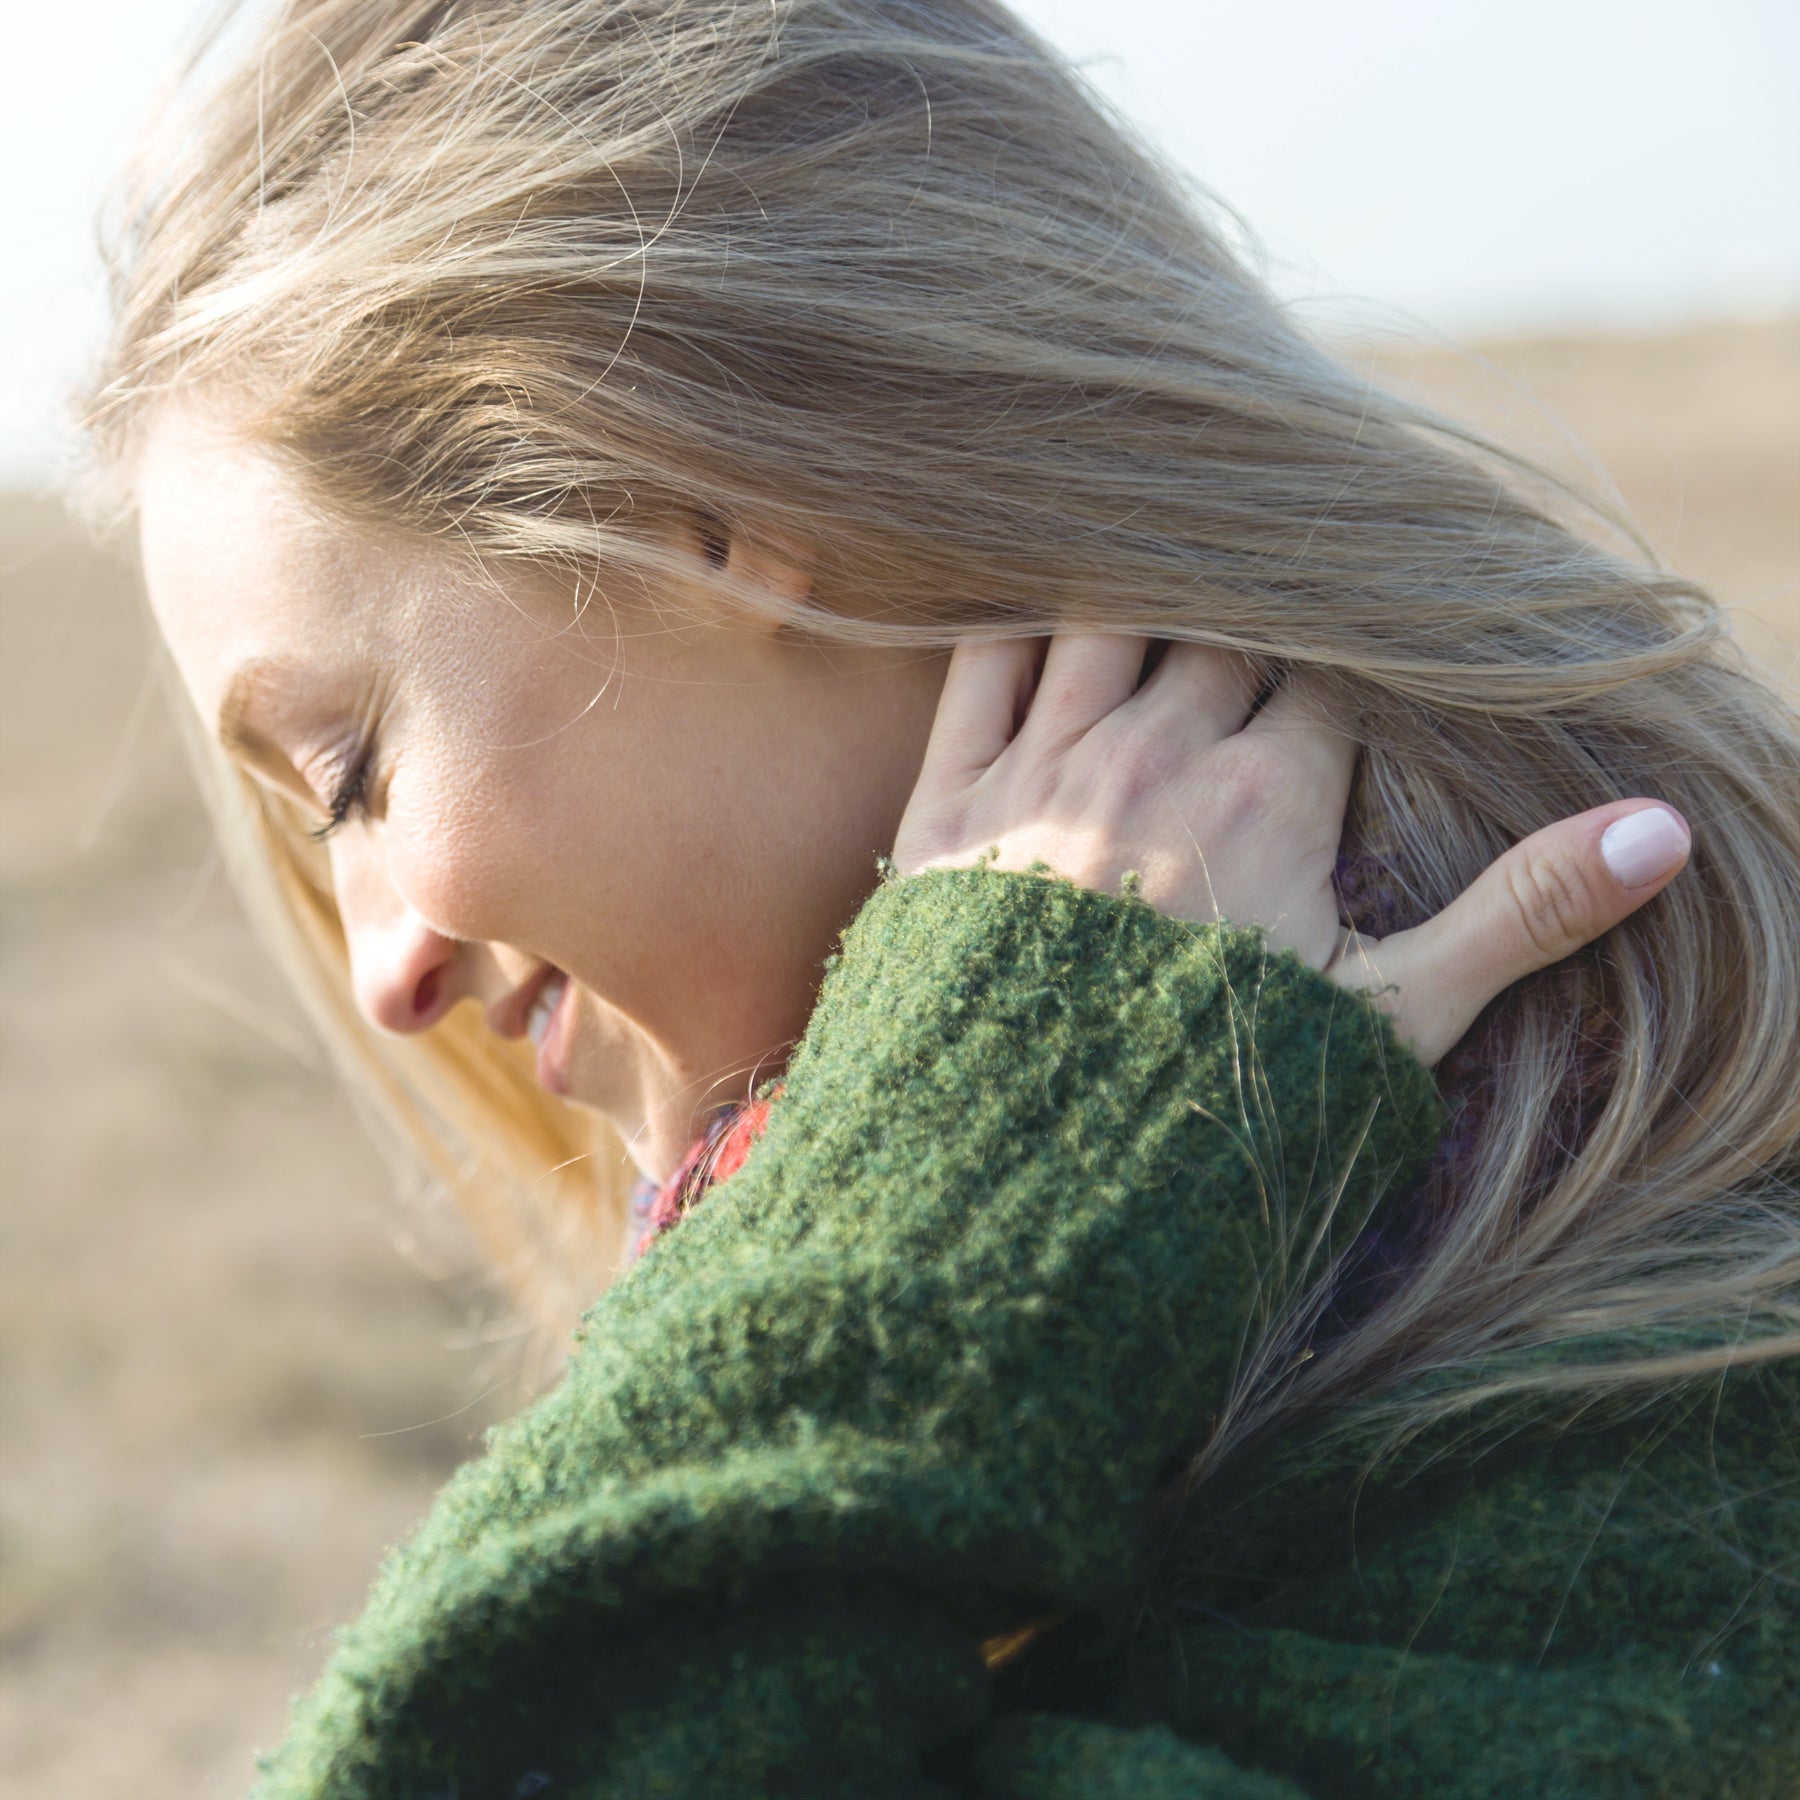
(1644, 846)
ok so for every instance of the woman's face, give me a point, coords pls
(635, 836)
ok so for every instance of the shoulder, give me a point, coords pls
(1602, 1606)
(1525, 1530)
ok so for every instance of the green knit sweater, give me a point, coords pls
(916, 1375)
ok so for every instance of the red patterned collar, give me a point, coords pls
(715, 1156)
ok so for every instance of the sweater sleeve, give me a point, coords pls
(1043, 1161)
(1511, 1604)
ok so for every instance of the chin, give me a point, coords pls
(650, 1093)
(655, 1155)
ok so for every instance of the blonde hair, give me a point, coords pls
(523, 276)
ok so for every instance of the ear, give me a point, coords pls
(757, 556)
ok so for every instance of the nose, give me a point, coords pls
(402, 973)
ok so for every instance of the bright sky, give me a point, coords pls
(1470, 166)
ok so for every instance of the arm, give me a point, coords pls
(908, 1379)
(1044, 1160)
(1603, 1611)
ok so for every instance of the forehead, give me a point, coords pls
(241, 578)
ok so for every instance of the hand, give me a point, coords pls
(1221, 814)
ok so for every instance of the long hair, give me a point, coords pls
(522, 278)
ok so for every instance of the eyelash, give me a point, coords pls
(350, 796)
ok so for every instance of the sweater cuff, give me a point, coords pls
(978, 1021)
(1114, 1144)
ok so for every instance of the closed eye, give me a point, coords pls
(349, 798)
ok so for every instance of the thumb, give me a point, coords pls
(1559, 889)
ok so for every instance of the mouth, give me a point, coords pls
(543, 1008)
(548, 1024)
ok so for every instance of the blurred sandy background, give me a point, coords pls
(223, 1387)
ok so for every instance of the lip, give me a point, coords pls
(508, 1015)
(555, 1047)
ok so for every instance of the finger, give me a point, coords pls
(1545, 898)
(1086, 675)
(986, 690)
(1213, 688)
(1312, 745)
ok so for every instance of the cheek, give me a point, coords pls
(454, 852)
(649, 847)
(557, 850)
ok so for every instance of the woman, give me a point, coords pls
(606, 474)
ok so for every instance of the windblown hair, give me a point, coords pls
(520, 278)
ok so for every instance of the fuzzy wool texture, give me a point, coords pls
(918, 1373)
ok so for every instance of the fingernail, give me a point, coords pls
(1644, 846)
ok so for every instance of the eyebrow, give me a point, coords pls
(249, 682)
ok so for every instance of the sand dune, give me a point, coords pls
(223, 1387)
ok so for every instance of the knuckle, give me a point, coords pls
(1555, 903)
(1056, 702)
(1253, 783)
(1141, 764)
(1244, 779)
(1074, 696)
(1035, 789)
